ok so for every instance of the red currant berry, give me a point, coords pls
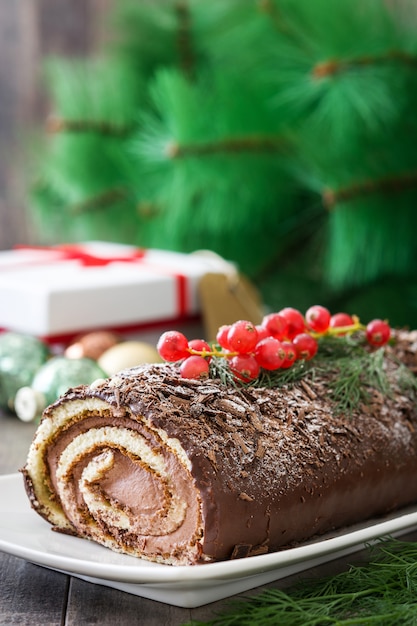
(244, 367)
(221, 336)
(378, 332)
(306, 346)
(339, 320)
(276, 325)
(199, 345)
(269, 353)
(263, 332)
(295, 321)
(290, 354)
(242, 337)
(318, 318)
(173, 346)
(194, 367)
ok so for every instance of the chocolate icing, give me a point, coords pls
(260, 469)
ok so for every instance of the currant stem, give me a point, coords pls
(334, 332)
(340, 330)
(212, 352)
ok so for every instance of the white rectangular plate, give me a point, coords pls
(26, 535)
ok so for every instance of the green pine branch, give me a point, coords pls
(235, 126)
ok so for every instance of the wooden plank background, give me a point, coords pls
(30, 31)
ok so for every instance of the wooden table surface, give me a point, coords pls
(33, 595)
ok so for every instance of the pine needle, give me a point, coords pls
(351, 373)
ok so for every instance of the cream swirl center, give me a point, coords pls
(101, 485)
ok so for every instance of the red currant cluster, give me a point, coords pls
(276, 343)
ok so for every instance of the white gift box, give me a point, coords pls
(66, 290)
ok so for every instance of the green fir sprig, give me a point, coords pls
(350, 370)
(352, 375)
(382, 592)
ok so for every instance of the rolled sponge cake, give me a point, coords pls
(185, 471)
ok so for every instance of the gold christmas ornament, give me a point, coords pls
(128, 354)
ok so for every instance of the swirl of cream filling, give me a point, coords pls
(115, 480)
(105, 496)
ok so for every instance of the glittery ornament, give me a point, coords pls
(92, 345)
(20, 358)
(51, 381)
(128, 354)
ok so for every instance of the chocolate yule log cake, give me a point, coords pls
(186, 471)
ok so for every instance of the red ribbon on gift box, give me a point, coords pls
(73, 252)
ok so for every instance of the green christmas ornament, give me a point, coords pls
(51, 381)
(20, 358)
